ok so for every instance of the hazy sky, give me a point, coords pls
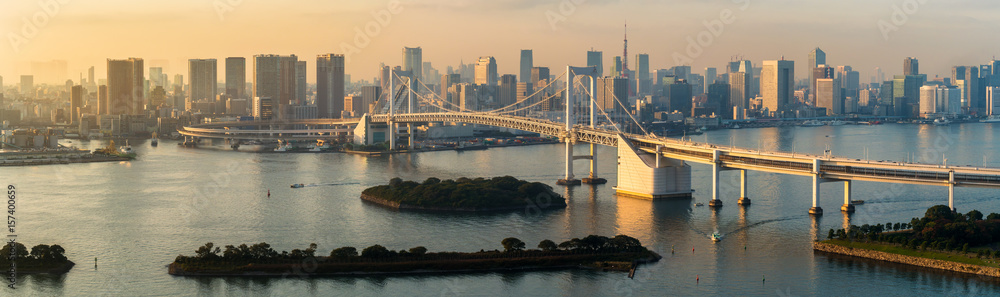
(939, 33)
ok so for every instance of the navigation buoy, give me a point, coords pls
(762, 279)
(95, 263)
(268, 193)
(697, 278)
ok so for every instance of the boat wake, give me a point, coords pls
(329, 184)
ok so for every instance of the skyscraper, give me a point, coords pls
(596, 59)
(537, 74)
(203, 76)
(828, 95)
(126, 84)
(508, 90)
(527, 61)
(413, 60)
(156, 77)
(90, 76)
(970, 83)
(777, 82)
(300, 82)
(606, 89)
(274, 78)
(710, 74)
(643, 83)
(28, 85)
(75, 103)
(486, 71)
(102, 99)
(236, 77)
(816, 57)
(911, 66)
(821, 71)
(330, 85)
(739, 88)
(447, 81)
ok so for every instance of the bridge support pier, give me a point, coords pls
(569, 180)
(593, 179)
(409, 128)
(847, 207)
(816, 210)
(951, 190)
(716, 168)
(744, 200)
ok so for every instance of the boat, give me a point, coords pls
(470, 147)
(296, 186)
(716, 237)
(320, 147)
(812, 123)
(857, 202)
(699, 204)
(283, 148)
(735, 126)
(126, 149)
(941, 122)
(155, 140)
(836, 123)
(992, 119)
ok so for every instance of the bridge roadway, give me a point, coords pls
(830, 168)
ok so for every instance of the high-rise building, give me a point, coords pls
(486, 71)
(718, 100)
(820, 71)
(596, 59)
(710, 74)
(680, 97)
(906, 94)
(102, 100)
(993, 100)
(75, 103)
(971, 98)
(539, 74)
(911, 66)
(413, 61)
(606, 89)
(816, 57)
(828, 96)
(369, 95)
(508, 90)
(777, 82)
(274, 78)
(447, 81)
(204, 83)
(90, 76)
(300, 82)
(28, 85)
(739, 94)
(527, 61)
(126, 86)
(236, 77)
(643, 83)
(330, 85)
(155, 77)
(616, 67)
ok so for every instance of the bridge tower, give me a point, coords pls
(650, 176)
(570, 135)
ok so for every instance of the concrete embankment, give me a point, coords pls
(909, 260)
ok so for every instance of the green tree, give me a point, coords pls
(59, 253)
(547, 245)
(40, 252)
(375, 251)
(344, 252)
(418, 251)
(512, 244)
(975, 215)
(830, 235)
(395, 182)
(206, 251)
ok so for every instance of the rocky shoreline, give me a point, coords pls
(909, 260)
(401, 206)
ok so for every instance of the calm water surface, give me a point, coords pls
(135, 217)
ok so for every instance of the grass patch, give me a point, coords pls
(928, 254)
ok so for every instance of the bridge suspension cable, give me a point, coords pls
(624, 108)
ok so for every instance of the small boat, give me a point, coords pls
(716, 237)
(126, 149)
(836, 123)
(857, 202)
(992, 119)
(284, 148)
(296, 186)
(154, 142)
(699, 204)
(941, 122)
(736, 126)
(470, 147)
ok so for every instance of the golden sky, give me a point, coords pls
(85, 33)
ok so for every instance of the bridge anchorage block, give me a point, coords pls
(715, 203)
(816, 211)
(848, 208)
(744, 201)
(571, 182)
(594, 181)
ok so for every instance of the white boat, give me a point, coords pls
(320, 148)
(283, 148)
(836, 123)
(992, 119)
(736, 126)
(127, 149)
(941, 122)
(812, 123)
(716, 237)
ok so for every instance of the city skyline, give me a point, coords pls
(556, 38)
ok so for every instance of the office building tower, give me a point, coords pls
(263, 108)
(993, 101)
(156, 77)
(682, 72)
(236, 77)
(710, 76)
(929, 106)
(718, 100)
(828, 96)
(616, 67)
(739, 94)
(204, 82)
(75, 103)
(821, 71)
(606, 89)
(642, 81)
(369, 95)
(179, 80)
(777, 82)
(447, 81)
(906, 94)
(508, 90)
(486, 71)
(524, 89)
(816, 57)
(527, 61)
(28, 85)
(596, 59)
(126, 86)
(102, 100)
(413, 61)
(970, 81)
(330, 91)
(679, 96)
(275, 79)
(90, 76)
(911, 66)
(539, 74)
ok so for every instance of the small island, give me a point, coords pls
(942, 239)
(464, 195)
(619, 253)
(42, 258)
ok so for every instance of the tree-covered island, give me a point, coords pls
(464, 194)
